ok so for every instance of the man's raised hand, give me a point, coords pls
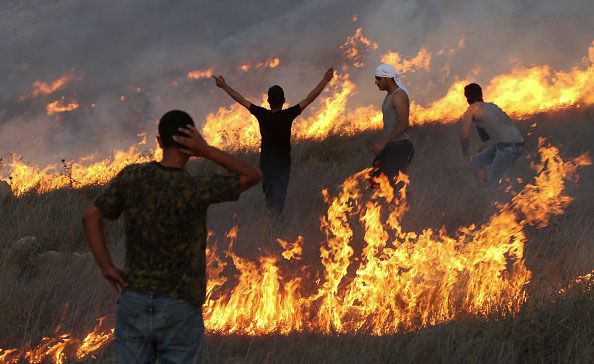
(220, 81)
(329, 74)
(194, 143)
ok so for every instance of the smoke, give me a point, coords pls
(143, 50)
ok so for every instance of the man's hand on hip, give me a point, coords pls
(115, 277)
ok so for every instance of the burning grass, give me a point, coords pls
(66, 294)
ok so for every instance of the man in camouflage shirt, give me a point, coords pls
(163, 284)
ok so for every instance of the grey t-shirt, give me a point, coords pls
(390, 117)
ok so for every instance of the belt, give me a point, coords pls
(521, 144)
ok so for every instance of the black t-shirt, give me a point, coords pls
(275, 129)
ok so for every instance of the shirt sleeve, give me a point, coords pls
(112, 198)
(217, 188)
(294, 111)
(257, 111)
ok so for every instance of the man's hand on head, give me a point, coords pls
(194, 143)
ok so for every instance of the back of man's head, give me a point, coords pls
(169, 125)
(276, 96)
(473, 92)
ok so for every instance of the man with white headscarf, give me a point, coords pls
(394, 151)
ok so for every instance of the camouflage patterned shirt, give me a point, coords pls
(165, 225)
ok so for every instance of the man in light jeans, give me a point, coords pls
(508, 143)
(151, 326)
(163, 285)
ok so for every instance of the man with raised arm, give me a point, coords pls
(507, 142)
(275, 131)
(163, 284)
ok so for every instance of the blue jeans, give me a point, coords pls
(150, 327)
(499, 157)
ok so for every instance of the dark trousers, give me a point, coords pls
(394, 158)
(274, 184)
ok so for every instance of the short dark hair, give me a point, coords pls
(276, 96)
(169, 125)
(473, 92)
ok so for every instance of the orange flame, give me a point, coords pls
(94, 340)
(60, 106)
(49, 348)
(357, 46)
(521, 93)
(11, 356)
(42, 88)
(270, 62)
(586, 281)
(24, 178)
(198, 74)
(422, 61)
(291, 251)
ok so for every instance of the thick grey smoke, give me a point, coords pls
(138, 49)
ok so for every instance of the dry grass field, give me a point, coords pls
(52, 280)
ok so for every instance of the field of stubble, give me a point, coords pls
(58, 284)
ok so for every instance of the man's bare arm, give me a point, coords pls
(313, 94)
(195, 145)
(93, 224)
(467, 122)
(221, 83)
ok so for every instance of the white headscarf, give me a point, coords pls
(386, 70)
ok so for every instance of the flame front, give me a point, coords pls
(85, 172)
(386, 281)
(522, 93)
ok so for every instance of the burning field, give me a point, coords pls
(349, 262)
(440, 270)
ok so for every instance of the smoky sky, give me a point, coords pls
(111, 48)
